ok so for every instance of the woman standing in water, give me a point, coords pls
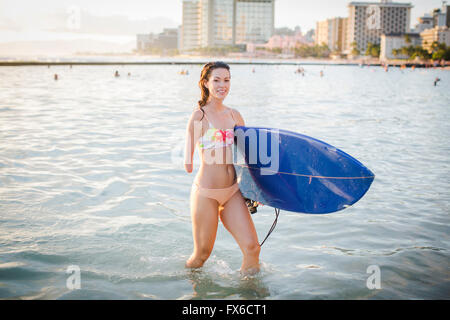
(215, 192)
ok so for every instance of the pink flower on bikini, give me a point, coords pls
(219, 136)
(223, 136)
(229, 137)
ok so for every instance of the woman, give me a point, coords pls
(215, 192)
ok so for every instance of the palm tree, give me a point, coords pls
(434, 45)
(355, 50)
(407, 39)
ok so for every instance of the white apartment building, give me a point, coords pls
(191, 25)
(218, 28)
(367, 21)
(217, 23)
(333, 33)
(396, 41)
(255, 21)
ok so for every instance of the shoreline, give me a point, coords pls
(293, 63)
(100, 61)
(44, 63)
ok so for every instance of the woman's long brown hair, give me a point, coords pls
(204, 76)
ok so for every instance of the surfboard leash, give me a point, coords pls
(252, 207)
(277, 213)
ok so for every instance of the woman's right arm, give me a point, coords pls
(192, 135)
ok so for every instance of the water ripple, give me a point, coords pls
(89, 176)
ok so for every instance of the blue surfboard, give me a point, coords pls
(294, 172)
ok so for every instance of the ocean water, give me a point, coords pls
(91, 179)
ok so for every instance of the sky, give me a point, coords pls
(120, 21)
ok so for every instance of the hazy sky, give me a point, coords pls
(30, 20)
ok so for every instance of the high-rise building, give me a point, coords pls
(425, 22)
(440, 17)
(437, 18)
(191, 26)
(367, 21)
(447, 12)
(333, 33)
(217, 23)
(254, 20)
(323, 32)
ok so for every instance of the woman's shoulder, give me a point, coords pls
(197, 115)
(234, 111)
(237, 116)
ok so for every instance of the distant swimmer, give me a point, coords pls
(129, 74)
(253, 70)
(436, 81)
(321, 73)
(300, 70)
(116, 74)
(55, 77)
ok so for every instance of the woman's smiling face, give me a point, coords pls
(219, 83)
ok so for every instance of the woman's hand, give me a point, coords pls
(188, 167)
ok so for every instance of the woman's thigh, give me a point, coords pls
(204, 215)
(237, 220)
